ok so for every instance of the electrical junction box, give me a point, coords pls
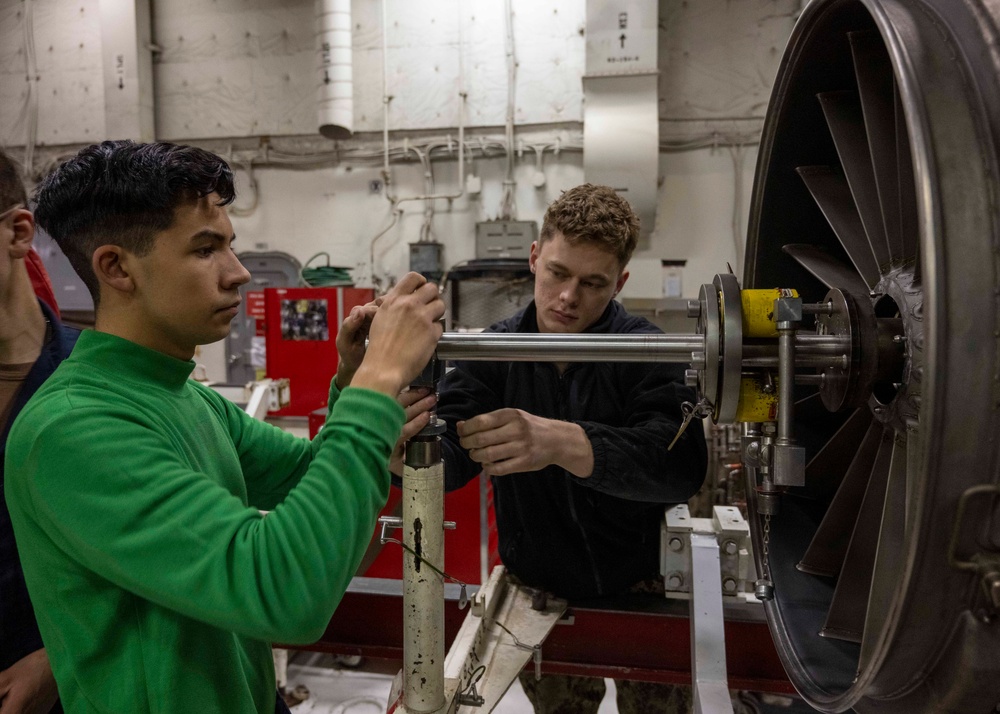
(426, 259)
(505, 239)
(301, 326)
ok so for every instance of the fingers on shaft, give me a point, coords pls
(416, 397)
(496, 453)
(414, 426)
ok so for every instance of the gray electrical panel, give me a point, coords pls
(244, 349)
(426, 259)
(71, 294)
(505, 239)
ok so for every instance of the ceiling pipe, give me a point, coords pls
(336, 89)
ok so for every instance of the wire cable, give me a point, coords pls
(463, 597)
(324, 275)
(508, 208)
(375, 280)
(243, 211)
(350, 705)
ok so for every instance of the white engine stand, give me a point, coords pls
(706, 560)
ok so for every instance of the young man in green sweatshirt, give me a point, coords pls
(136, 493)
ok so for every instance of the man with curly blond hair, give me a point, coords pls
(577, 452)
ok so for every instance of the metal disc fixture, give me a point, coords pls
(877, 194)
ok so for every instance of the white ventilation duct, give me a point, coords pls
(621, 129)
(336, 88)
(128, 69)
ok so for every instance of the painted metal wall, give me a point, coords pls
(64, 89)
(245, 67)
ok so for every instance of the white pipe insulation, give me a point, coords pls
(336, 88)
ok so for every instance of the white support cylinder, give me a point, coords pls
(423, 589)
(336, 87)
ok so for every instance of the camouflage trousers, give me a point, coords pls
(559, 694)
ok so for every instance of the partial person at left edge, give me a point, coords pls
(32, 344)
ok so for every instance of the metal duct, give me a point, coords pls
(621, 130)
(336, 89)
(128, 69)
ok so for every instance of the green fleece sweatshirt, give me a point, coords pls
(134, 494)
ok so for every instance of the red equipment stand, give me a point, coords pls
(626, 639)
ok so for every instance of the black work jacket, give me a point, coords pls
(582, 537)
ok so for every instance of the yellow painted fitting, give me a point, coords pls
(755, 404)
(758, 311)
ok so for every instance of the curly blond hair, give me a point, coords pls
(593, 214)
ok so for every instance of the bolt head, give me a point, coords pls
(675, 580)
(730, 547)
(676, 544)
(729, 585)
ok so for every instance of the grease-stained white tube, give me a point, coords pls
(423, 588)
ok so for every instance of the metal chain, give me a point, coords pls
(764, 588)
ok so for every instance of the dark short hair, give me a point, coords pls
(123, 193)
(11, 186)
(594, 214)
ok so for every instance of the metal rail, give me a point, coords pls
(548, 347)
(554, 347)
